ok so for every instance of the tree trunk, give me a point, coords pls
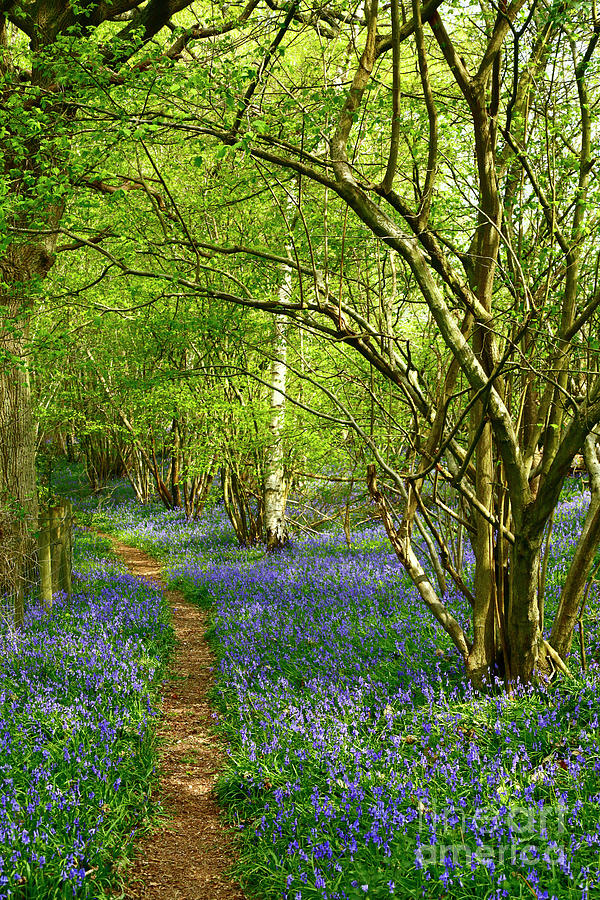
(18, 491)
(524, 620)
(243, 506)
(70, 446)
(568, 609)
(482, 657)
(176, 465)
(275, 491)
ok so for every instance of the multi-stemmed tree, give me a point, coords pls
(465, 143)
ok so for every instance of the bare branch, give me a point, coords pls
(407, 557)
(423, 213)
(388, 179)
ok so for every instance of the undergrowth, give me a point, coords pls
(78, 691)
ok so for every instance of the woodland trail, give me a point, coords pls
(189, 856)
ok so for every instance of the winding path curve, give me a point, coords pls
(187, 858)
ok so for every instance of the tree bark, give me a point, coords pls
(568, 609)
(176, 464)
(524, 623)
(18, 491)
(275, 488)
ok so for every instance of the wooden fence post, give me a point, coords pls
(45, 559)
(55, 551)
(66, 556)
(55, 536)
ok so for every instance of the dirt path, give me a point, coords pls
(188, 858)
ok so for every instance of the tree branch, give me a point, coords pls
(411, 564)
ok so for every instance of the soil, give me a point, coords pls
(188, 858)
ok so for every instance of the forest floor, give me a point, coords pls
(360, 765)
(188, 858)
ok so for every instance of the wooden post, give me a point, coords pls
(55, 551)
(66, 554)
(55, 522)
(45, 559)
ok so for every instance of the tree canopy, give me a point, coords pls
(409, 192)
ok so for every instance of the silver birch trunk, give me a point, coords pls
(275, 488)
